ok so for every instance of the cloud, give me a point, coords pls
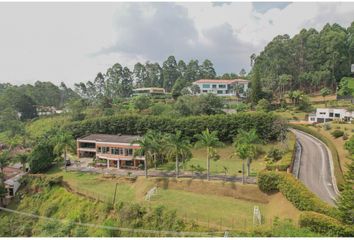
(71, 42)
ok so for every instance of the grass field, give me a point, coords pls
(217, 204)
(338, 142)
(227, 159)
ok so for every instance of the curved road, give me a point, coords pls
(316, 167)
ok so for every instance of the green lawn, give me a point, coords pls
(227, 159)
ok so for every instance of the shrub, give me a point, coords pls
(274, 155)
(323, 224)
(337, 133)
(294, 191)
(345, 136)
(327, 126)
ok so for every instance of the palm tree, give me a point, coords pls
(208, 140)
(63, 142)
(22, 158)
(179, 147)
(147, 149)
(245, 148)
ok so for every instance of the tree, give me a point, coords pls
(23, 159)
(207, 70)
(325, 92)
(242, 72)
(142, 102)
(209, 104)
(245, 148)
(4, 162)
(178, 146)
(346, 204)
(256, 93)
(208, 140)
(63, 143)
(76, 108)
(170, 73)
(148, 148)
(263, 105)
(284, 80)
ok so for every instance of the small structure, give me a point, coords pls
(116, 151)
(12, 185)
(152, 91)
(234, 87)
(323, 115)
(257, 218)
(150, 193)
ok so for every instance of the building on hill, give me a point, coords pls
(47, 110)
(329, 114)
(113, 151)
(224, 88)
(151, 91)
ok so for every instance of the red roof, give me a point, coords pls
(221, 81)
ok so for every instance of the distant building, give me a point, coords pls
(13, 184)
(329, 114)
(223, 87)
(148, 91)
(116, 151)
(47, 110)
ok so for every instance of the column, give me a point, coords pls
(107, 163)
(118, 167)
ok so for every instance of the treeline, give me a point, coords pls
(19, 102)
(118, 81)
(308, 61)
(267, 125)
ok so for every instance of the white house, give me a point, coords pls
(329, 114)
(223, 87)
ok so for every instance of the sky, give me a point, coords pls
(72, 42)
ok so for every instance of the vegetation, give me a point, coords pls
(294, 191)
(313, 59)
(210, 141)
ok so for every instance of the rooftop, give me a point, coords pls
(221, 81)
(110, 138)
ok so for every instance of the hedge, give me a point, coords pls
(267, 125)
(326, 225)
(338, 173)
(294, 191)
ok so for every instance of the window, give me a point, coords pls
(312, 119)
(322, 113)
(331, 114)
(337, 115)
(206, 85)
(105, 149)
(220, 92)
(222, 86)
(205, 91)
(214, 85)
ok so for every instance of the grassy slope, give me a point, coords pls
(193, 199)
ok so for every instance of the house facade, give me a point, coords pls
(112, 151)
(329, 114)
(148, 91)
(224, 88)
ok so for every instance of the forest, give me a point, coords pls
(308, 61)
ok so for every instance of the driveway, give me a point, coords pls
(316, 167)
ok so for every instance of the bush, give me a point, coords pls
(268, 126)
(337, 133)
(294, 191)
(327, 126)
(323, 224)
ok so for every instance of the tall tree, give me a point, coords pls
(256, 92)
(209, 140)
(170, 73)
(207, 70)
(178, 146)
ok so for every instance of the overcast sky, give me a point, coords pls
(72, 42)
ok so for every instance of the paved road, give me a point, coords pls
(315, 167)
